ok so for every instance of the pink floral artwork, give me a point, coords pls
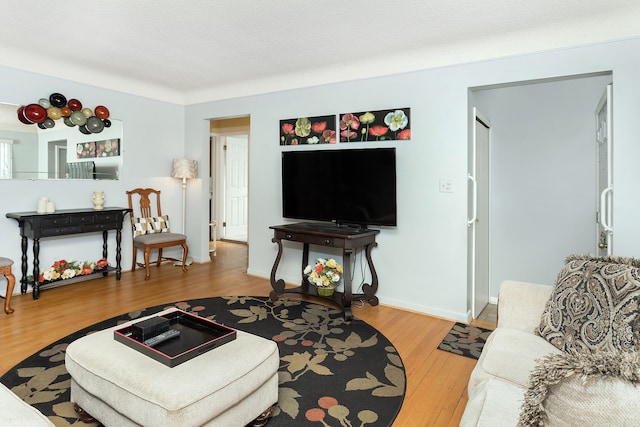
(308, 130)
(382, 125)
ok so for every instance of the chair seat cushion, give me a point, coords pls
(150, 239)
(192, 393)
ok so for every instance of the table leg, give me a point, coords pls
(105, 235)
(36, 268)
(105, 253)
(347, 295)
(119, 253)
(11, 281)
(25, 266)
(277, 285)
(370, 290)
(305, 261)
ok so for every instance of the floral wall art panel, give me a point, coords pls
(108, 148)
(382, 125)
(85, 150)
(308, 130)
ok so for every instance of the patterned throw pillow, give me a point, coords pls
(151, 225)
(594, 306)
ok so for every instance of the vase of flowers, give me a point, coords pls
(325, 275)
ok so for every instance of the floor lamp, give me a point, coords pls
(184, 169)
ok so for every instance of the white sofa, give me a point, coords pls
(15, 412)
(498, 383)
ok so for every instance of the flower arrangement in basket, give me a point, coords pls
(324, 275)
(64, 269)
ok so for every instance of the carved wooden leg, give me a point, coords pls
(277, 285)
(262, 419)
(84, 416)
(185, 252)
(147, 267)
(135, 256)
(11, 281)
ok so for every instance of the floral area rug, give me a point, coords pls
(465, 340)
(332, 372)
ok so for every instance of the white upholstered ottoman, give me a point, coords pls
(231, 385)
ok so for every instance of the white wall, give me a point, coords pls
(153, 135)
(543, 175)
(422, 262)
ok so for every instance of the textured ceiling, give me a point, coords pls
(195, 50)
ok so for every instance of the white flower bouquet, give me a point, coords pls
(326, 273)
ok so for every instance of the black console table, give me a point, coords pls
(64, 222)
(348, 239)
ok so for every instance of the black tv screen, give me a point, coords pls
(345, 186)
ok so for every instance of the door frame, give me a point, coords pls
(604, 196)
(478, 118)
(220, 128)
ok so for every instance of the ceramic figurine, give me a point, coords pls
(98, 200)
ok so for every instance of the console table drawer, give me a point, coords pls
(56, 231)
(99, 227)
(306, 238)
(55, 221)
(105, 217)
(82, 219)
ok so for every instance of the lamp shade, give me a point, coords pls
(183, 168)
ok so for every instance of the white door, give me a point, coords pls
(236, 187)
(604, 202)
(478, 222)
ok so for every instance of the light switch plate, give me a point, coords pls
(446, 185)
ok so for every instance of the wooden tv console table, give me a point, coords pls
(327, 235)
(64, 222)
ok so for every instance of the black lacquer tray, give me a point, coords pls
(197, 336)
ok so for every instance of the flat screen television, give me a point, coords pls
(350, 187)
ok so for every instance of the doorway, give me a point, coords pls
(543, 169)
(229, 180)
(57, 159)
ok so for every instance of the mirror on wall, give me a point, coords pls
(60, 152)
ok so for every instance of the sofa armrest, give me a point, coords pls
(520, 305)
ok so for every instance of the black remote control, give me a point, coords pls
(162, 337)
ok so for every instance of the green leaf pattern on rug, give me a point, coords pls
(287, 401)
(42, 385)
(394, 374)
(251, 315)
(303, 362)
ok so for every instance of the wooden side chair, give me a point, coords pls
(150, 229)
(5, 270)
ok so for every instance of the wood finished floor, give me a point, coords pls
(436, 380)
